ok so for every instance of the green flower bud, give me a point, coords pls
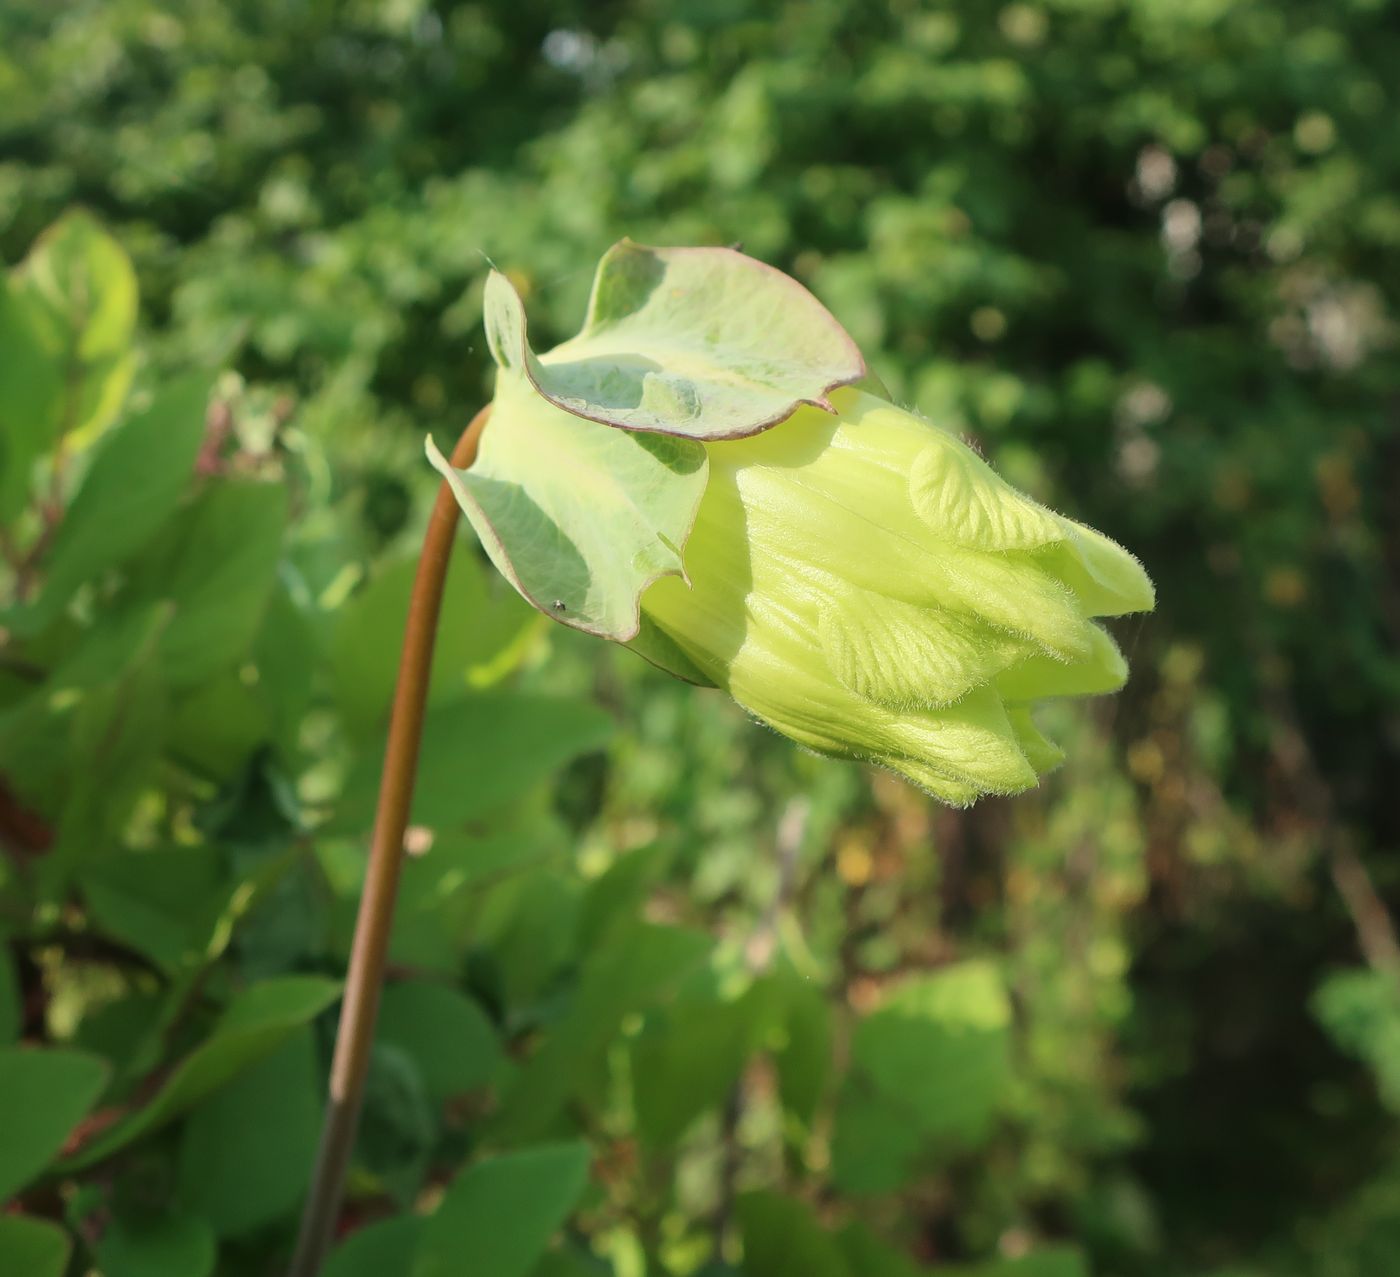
(696, 475)
(866, 585)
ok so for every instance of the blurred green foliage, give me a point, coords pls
(695, 1003)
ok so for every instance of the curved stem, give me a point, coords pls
(370, 948)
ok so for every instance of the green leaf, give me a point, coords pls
(700, 342)
(1360, 1009)
(113, 747)
(217, 565)
(163, 903)
(156, 1246)
(804, 1059)
(67, 314)
(286, 655)
(498, 1216)
(446, 1034)
(782, 1239)
(867, 1256)
(257, 1022)
(480, 753)
(634, 969)
(528, 923)
(132, 487)
(930, 1070)
(582, 534)
(690, 1053)
(476, 626)
(44, 1093)
(218, 724)
(33, 1247)
(246, 1152)
(381, 1249)
(876, 1143)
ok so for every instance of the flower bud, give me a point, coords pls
(865, 584)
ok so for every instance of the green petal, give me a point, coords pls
(972, 741)
(1012, 591)
(956, 793)
(1106, 578)
(963, 500)
(1037, 677)
(907, 657)
(1044, 754)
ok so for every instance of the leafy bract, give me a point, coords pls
(589, 474)
(705, 343)
(580, 518)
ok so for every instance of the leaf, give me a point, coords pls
(286, 656)
(781, 1239)
(44, 1093)
(475, 627)
(67, 315)
(163, 903)
(876, 1143)
(578, 517)
(689, 1055)
(634, 969)
(131, 489)
(447, 1035)
(930, 1070)
(700, 342)
(941, 1045)
(113, 747)
(480, 753)
(246, 1152)
(867, 1256)
(219, 723)
(256, 1023)
(498, 1216)
(528, 924)
(380, 1249)
(1360, 1009)
(162, 1245)
(217, 565)
(804, 1059)
(33, 1247)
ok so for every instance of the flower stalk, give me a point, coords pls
(369, 951)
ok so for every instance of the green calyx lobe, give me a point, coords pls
(592, 467)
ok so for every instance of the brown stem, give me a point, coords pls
(370, 948)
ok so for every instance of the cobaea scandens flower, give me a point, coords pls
(703, 474)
